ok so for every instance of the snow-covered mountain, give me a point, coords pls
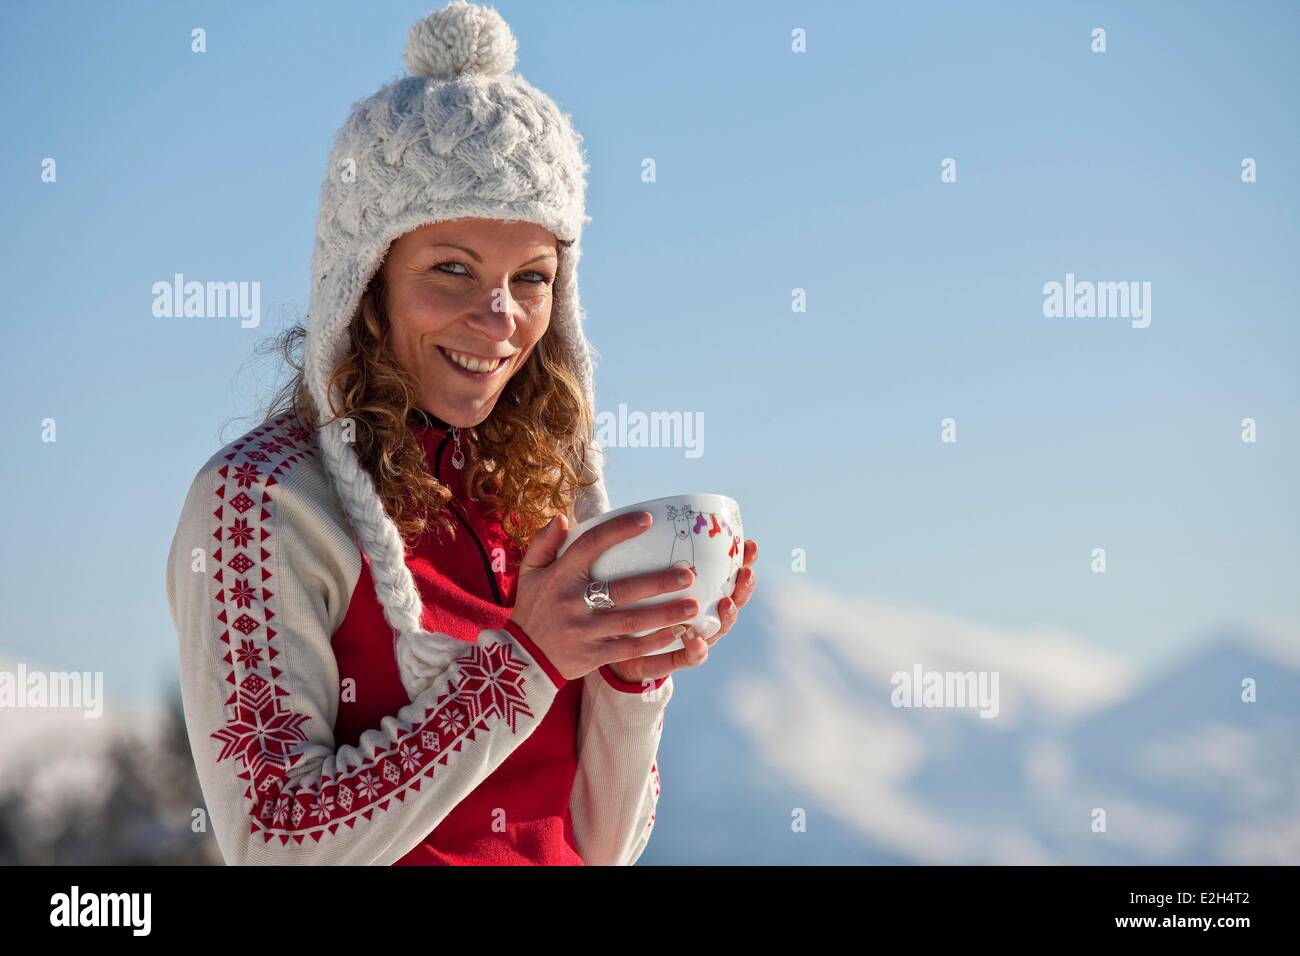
(794, 711)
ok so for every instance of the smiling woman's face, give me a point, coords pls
(474, 290)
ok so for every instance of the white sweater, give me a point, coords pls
(282, 644)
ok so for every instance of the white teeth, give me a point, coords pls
(473, 364)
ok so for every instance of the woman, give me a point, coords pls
(382, 659)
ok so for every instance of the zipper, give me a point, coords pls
(460, 511)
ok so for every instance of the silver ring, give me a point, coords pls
(597, 596)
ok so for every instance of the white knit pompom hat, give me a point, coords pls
(461, 137)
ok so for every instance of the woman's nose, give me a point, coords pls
(495, 315)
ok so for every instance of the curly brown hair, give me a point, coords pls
(524, 461)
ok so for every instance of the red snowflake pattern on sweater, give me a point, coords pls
(261, 734)
(654, 780)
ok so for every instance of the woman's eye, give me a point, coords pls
(444, 266)
(541, 277)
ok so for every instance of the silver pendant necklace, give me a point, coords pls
(457, 456)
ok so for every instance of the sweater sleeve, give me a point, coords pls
(617, 785)
(259, 576)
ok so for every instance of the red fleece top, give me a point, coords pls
(529, 793)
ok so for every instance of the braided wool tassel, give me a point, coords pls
(421, 655)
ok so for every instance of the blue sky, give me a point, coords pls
(775, 170)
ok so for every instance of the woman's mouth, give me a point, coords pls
(471, 366)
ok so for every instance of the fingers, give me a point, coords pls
(652, 666)
(729, 607)
(637, 658)
(746, 580)
(693, 654)
(631, 620)
(696, 651)
(728, 611)
(542, 549)
(628, 590)
(627, 651)
(595, 541)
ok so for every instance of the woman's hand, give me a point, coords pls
(550, 609)
(696, 649)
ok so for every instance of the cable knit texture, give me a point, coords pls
(461, 137)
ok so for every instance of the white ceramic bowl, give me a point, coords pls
(702, 531)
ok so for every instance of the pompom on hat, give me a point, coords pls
(460, 137)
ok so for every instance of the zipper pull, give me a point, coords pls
(457, 456)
